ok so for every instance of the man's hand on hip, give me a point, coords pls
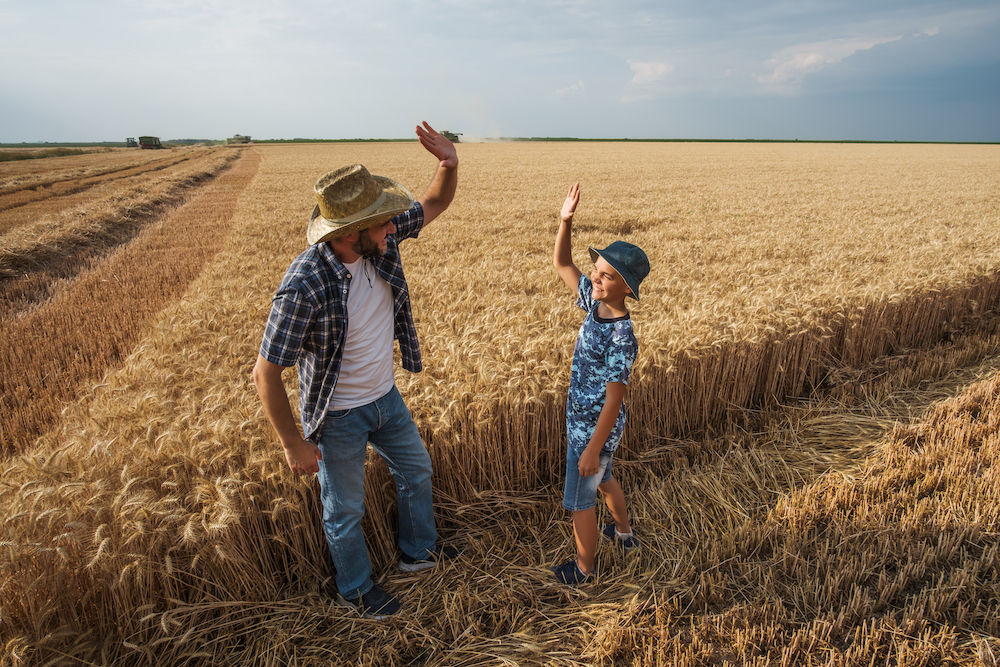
(302, 457)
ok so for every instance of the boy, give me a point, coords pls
(595, 414)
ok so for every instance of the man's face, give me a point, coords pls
(372, 241)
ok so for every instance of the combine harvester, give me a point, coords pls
(151, 143)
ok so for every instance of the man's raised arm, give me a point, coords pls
(441, 191)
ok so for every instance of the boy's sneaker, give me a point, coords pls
(570, 573)
(441, 553)
(628, 542)
(375, 604)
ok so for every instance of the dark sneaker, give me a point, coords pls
(570, 573)
(375, 604)
(441, 553)
(629, 542)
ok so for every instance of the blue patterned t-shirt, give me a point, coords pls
(605, 351)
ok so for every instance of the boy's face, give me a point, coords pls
(608, 285)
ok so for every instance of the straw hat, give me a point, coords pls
(350, 199)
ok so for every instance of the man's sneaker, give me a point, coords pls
(440, 553)
(628, 542)
(570, 573)
(375, 604)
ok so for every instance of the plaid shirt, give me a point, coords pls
(307, 326)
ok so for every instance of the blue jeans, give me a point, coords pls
(387, 424)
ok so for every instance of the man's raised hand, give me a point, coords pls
(438, 145)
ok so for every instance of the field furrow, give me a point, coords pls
(68, 235)
(91, 319)
(27, 174)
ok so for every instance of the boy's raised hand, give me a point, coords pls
(562, 257)
(569, 206)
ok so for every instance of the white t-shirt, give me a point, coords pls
(366, 372)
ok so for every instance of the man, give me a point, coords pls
(334, 316)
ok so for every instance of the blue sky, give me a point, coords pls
(713, 69)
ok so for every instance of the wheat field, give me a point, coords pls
(157, 522)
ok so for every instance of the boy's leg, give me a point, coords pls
(585, 531)
(615, 499)
(580, 497)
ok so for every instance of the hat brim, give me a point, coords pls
(629, 279)
(397, 200)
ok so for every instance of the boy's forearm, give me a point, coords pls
(562, 256)
(613, 399)
(563, 253)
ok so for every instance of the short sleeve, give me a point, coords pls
(288, 325)
(585, 293)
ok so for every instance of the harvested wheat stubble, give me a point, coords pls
(181, 530)
(24, 202)
(30, 173)
(99, 217)
(93, 320)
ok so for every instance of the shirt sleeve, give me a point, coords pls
(585, 293)
(409, 223)
(288, 325)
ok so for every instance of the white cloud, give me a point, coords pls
(789, 66)
(929, 31)
(649, 72)
(576, 90)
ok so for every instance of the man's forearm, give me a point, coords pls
(440, 193)
(274, 398)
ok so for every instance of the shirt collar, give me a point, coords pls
(326, 252)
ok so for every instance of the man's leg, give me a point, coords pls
(343, 443)
(398, 441)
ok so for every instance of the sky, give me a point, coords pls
(880, 70)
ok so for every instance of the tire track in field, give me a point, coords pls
(27, 193)
(95, 320)
(55, 197)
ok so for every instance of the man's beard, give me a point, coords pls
(366, 247)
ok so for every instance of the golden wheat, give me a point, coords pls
(163, 513)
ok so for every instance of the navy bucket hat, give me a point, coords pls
(628, 260)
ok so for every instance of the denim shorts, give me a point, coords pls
(581, 492)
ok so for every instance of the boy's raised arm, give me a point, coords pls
(562, 256)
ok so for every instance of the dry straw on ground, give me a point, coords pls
(159, 524)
